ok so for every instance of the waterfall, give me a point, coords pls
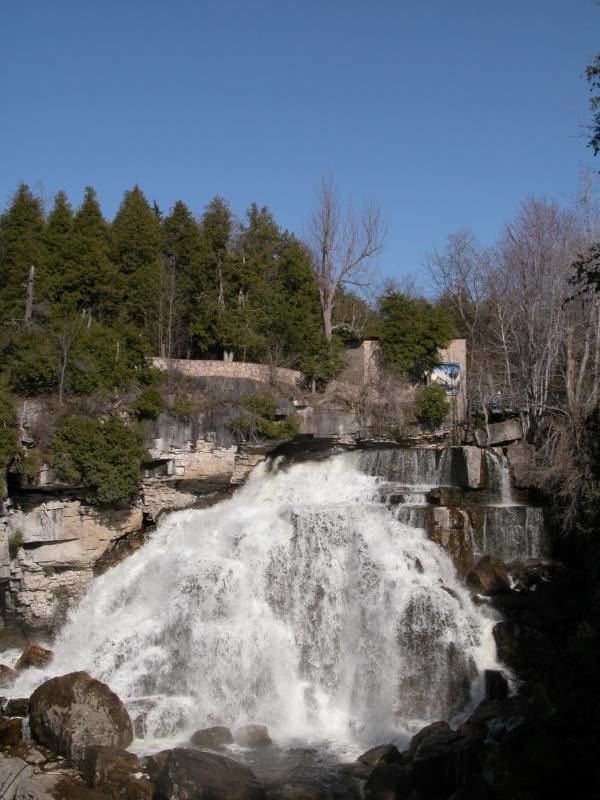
(303, 602)
(512, 533)
(499, 475)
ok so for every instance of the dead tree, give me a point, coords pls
(343, 247)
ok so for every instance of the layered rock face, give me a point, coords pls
(52, 542)
(47, 551)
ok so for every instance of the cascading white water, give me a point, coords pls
(301, 603)
(499, 473)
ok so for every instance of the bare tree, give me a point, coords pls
(167, 300)
(66, 332)
(460, 274)
(343, 246)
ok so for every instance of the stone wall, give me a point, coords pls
(228, 369)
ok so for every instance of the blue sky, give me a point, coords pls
(448, 113)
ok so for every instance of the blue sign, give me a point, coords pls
(448, 377)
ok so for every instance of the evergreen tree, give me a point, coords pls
(136, 252)
(208, 321)
(252, 284)
(412, 331)
(58, 240)
(296, 311)
(95, 285)
(21, 246)
(182, 279)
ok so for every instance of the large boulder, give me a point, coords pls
(499, 433)
(72, 712)
(252, 736)
(215, 737)
(196, 775)
(34, 656)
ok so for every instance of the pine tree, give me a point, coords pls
(21, 247)
(58, 240)
(296, 311)
(136, 253)
(209, 324)
(182, 277)
(252, 284)
(96, 285)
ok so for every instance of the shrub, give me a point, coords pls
(182, 406)
(104, 457)
(259, 419)
(433, 406)
(14, 542)
(28, 463)
(149, 404)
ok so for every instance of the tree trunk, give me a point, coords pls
(29, 298)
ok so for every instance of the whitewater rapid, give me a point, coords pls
(301, 603)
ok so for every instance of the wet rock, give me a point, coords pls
(520, 457)
(193, 774)
(450, 528)
(528, 650)
(34, 656)
(496, 685)
(16, 707)
(427, 732)
(450, 496)
(7, 676)
(12, 772)
(75, 711)
(359, 770)
(253, 736)
(11, 732)
(389, 782)
(138, 711)
(489, 577)
(115, 771)
(468, 463)
(217, 736)
(154, 763)
(383, 754)
(444, 762)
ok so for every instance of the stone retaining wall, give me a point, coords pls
(228, 369)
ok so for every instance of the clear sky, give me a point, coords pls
(448, 112)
